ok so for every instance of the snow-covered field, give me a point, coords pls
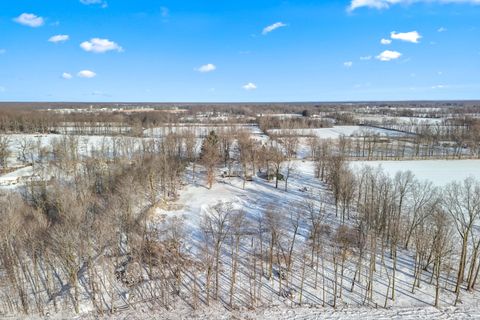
(439, 172)
(401, 120)
(337, 132)
(200, 130)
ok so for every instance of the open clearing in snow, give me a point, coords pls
(439, 172)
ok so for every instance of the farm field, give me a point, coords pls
(439, 172)
(338, 131)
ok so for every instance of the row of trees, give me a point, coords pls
(376, 147)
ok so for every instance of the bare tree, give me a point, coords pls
(289, 170)
(5, 151)
(216, 226)
(245, 148)
(191, 150)
(462, 202)
(237, 231)
(210, 156)
(441, 246)
(276, 159)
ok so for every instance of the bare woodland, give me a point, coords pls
(84, 235)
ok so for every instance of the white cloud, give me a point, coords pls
(98, 45)
(412, 36)
(385, 4)
(385, 41)
(59, 38)
(250, 86)
(165, 12)
(102, 3)
(100, 94)
(30, 20)
(348, 64)
(87, 74)
(209, 67)
(67, 76)
(441, 29)
(377, 4)
(388, 55)
(365, 58)
(272, 27)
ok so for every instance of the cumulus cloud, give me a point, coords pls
(412, 36)
(388, 55)
(86, 74)
(385, 4)
(30, 20)
(273, 27)
(59, 38)
(67, 76)
(97, 45)
(385, 41)
(102, 3)
(209, 67)
(348, 64)
(250, 86)
(441, 29)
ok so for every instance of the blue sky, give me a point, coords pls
(222, 51)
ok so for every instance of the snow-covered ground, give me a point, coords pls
(401, 120)
(308, 313)
(200, 130)
(196, 200)
(439, 172)
(15, 177)
(26, 148)
(337, 132)
(86, 144)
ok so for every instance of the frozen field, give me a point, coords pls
(199, 129)
(440, 172)
(400, 120)
(337, 132)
